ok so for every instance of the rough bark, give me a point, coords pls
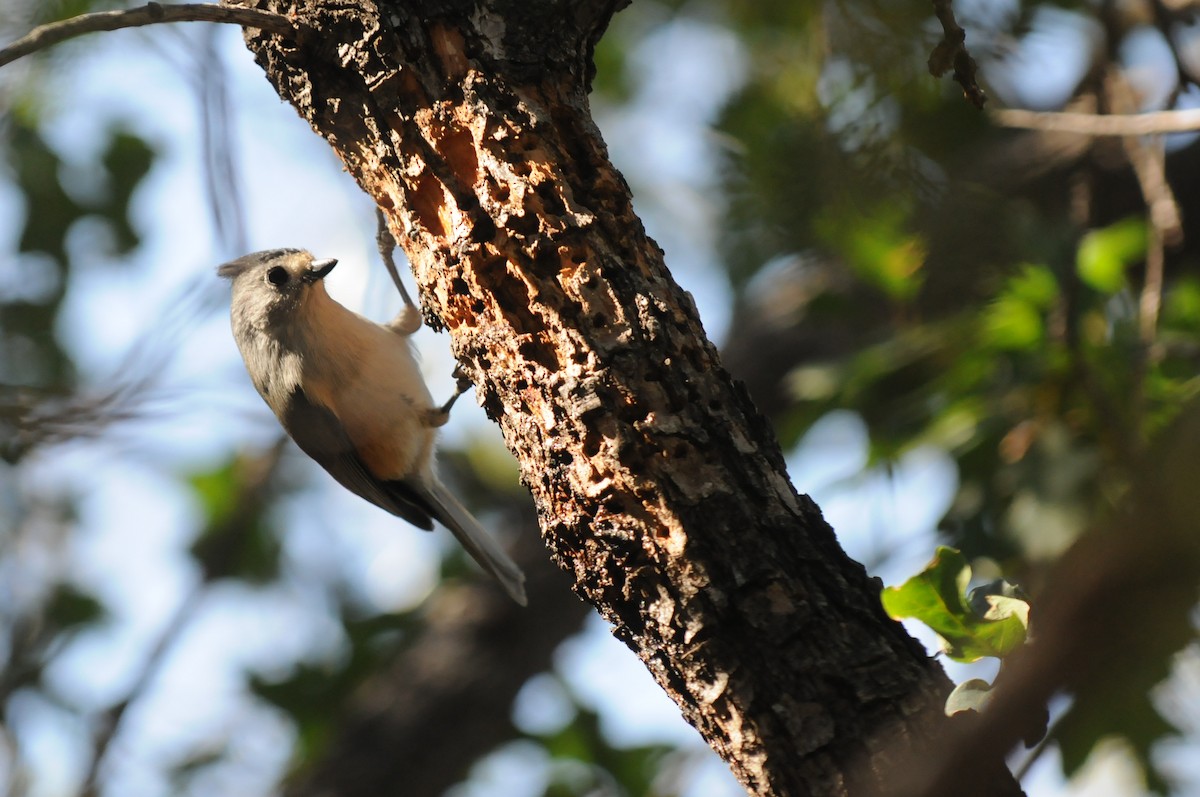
(658, 486)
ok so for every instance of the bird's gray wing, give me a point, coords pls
(320, 435)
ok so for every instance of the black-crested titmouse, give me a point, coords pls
(350, 394)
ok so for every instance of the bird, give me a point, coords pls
(350, 394)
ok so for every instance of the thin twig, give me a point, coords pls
(951, 53)
(1090, 124)
(50, 34)
(114, 719)
(1166, 229)
(255, 475)
(1147, 155)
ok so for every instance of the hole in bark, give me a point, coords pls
(523, 225)
(458, 148)
(500, 192)
(458, 287)
(591, 444)
(553, 203)
(541, 353)
(546, 260)
(522, 168)
(426, 201)
(632, 413)
(477, 307)
(599, 320)
(484, 229)
(492, 406)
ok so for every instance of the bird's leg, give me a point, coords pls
(438, 416)
(408, 320)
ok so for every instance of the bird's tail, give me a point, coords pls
(482, 546)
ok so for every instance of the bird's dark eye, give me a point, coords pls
(278, 276)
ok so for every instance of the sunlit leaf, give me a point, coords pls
(971, 695)
(937, 596)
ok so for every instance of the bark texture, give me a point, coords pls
(658, 487)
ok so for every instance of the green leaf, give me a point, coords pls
(970, 695)
(1104, 254)
(937, 596)
(1012, 324)
(1014, 320)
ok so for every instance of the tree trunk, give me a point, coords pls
(658, 486)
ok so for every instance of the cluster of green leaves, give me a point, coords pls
(585, 762)
(989, 620)
(962, 286)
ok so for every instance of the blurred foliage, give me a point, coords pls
(989, 285)
(889, 250)
(586, 763)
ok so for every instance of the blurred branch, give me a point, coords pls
(951, 53)
(1147, 155)
(31, 417)
(255, 475)
(417, 726)
(221, 185)
(53, 33)
(1090, 124)
(110, 723)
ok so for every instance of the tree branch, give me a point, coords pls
(1090, 124)
(51, 34)
(951, 53)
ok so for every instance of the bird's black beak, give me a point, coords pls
(319, 268)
